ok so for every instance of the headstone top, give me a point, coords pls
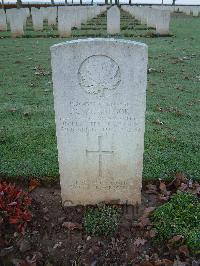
(97, 40)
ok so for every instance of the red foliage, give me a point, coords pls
(14, 204)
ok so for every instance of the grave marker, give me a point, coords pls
(99, 101)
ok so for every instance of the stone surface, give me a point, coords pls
(51, 16)
(195, 11)
(99, 100)
(44, 12)
(113, 20)
(16, 20)
(3, 23)
(65, 21)
(162, 22)
(37, 19)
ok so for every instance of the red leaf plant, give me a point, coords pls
(14, 206)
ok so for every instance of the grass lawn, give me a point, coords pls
(27, 127)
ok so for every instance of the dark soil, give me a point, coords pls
(47, 242)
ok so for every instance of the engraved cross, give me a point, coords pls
(101, 153)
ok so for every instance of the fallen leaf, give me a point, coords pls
(72, 226)
(146, 263)
(18, 62)
(150, 70)
(163, 198)
(57, 245)
(24, 245)
(174, 240)
(190, 183)
(46, 218)
(19, 262)
(163, 188)
(147, 211)
(144, 221)
(197, 190)
(158, 122)
(40, 70)
(180, 177)
(139, 242)
(13, 110)
(164, 262)
(184, 250)
(26, 113)
(183, 187)
(178, 262)
(152, 233)
(6, 251)
(151, 189)
(34, 183)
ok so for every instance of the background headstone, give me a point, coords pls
(37, 18)
(51, 16)
(113, 20)
(65, 21)
(16, 20)
(3, 23)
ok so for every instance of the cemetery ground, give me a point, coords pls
(57, 236)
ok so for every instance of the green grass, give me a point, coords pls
(28, 142)
(179, 217)
(101, 220)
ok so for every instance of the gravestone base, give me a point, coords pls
(16, 34)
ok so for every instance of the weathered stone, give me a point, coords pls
(37, 19)
(65, 21)
(113, 20)
(16, 20)
(52, 16)
(162, 22)
(99, 100)
(3, 23)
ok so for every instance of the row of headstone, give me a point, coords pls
(113, 20)
(3, 22)
(195, 10)
(67, 18)
(159, 19)
(100, 100)
(17, 19)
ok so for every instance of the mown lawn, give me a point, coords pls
(27, 127)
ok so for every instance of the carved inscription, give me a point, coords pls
(99, 73)
(98, 183)
(99, 116)
(100, 153)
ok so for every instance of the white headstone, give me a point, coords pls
(113, 20)
(187, 10)
(65, 21)
(151, 17)
(162, 22)
(26, 14)
(37, 18)
(77, 17)
(16, 20)
(44, 12)
(99, 101)
(52, 16)
(195, 11)
(3, 23)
